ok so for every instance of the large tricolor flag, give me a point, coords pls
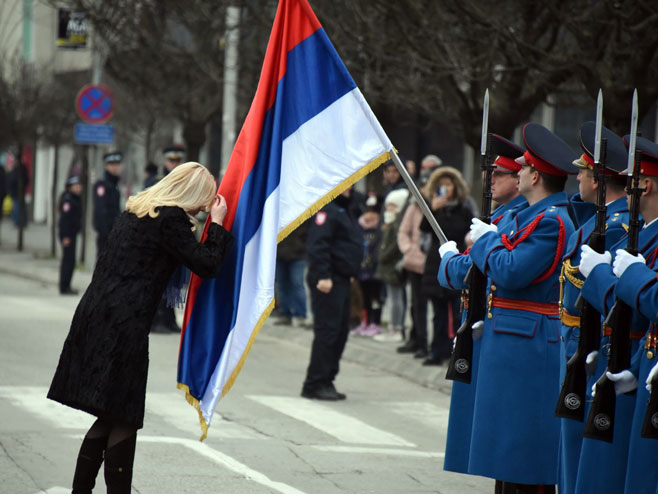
(309, 135)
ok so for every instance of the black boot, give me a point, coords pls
(119, 466)
(89, 462)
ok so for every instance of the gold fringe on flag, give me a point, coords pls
(335, 192)
(319, 204)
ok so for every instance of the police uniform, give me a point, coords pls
(515, 434)
(571, 431)
(106, 201)
(636, 287)
(452, 272)
(334, 249)
(70, 221)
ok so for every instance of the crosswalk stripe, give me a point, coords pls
(429, 414)
(33, 400)
(225, 461)
(380, 451)
(339, 425)
(174, 410)
(55, 490)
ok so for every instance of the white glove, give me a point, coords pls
(625, 381)
(477, 330)
(449, 246)
(589, 259)
(650, 377)
(479, 228)
(590, 363)
(623, 259)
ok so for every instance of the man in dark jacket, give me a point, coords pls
(70, 220)
(107, 199)
(334, 256)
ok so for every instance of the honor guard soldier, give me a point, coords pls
(633, 280)
(70, 221)
(107, 198)
(452, 272)
(515, 434)
(334, 248)
(616, 224)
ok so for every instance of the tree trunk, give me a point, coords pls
(194, 134)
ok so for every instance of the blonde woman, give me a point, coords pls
(103, 366)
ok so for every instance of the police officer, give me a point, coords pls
(70, 221)
(334, 248)
(571, 431)
(515, 434)
(107, 198)
(632, 278)
(452, 271)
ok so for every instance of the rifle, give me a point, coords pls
(601, 418)
(461, 360)
(571, 403)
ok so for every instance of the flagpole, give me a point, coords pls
(422, 204)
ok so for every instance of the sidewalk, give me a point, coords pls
(35, 263)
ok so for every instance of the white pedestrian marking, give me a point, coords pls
(337, 424)
(380, 451)
(173, 408)
(225, 461)
(435, 417)
(55, 490)
(44, 309)
(33, 400)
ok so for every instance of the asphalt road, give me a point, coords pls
(387, 437)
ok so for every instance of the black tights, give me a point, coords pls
(113, 443)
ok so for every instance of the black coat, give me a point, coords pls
(455, 221)
(103, 366)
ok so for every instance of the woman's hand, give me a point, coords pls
(218, 209)
(438, 202)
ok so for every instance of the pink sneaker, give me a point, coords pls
(359, 329)
(371, 330)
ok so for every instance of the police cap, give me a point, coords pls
(616, 155)
(113, 157)
(546, 152)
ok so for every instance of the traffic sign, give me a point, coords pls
(94, 134)
(94, 103)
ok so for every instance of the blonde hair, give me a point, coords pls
(189, 186)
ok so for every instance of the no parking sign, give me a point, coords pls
(94, 103)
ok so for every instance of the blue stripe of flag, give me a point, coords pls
(315, 78)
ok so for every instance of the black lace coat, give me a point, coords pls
(103, 366)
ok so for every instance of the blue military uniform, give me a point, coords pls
(515, 435)
(637, 287)
(571, 433)
(107, 201)
(452, 271)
